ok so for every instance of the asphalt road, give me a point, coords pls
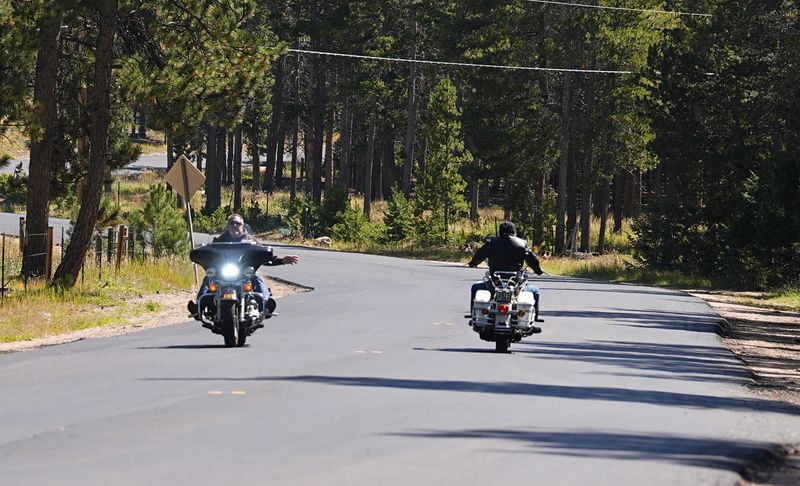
(374, 378)
(145, 162)
(9, 224)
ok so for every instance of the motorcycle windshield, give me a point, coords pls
(218, 254)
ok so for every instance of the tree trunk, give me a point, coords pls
(538, 215)
(237, 169)
(329, 150)
(637, 193)
(221, 157)
(318, 121)
(306, 174)
(142, 123)
(256, 161)
(602, 205)
(293, 186)
(347, 147)
(411, 117)
(213, 194)
(67, 272)
(561, 204)
(619, 186)
(377, 181)
(37, 212)
(368, 168)
(388, 172)
(229, 171)
(572, 199)
(359, 157)
(279, 153)
(274, 126)
(630, 192)
(474, 198)
(587, 154)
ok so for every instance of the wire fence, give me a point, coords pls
(110, 248)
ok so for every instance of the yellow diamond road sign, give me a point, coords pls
(185, 178)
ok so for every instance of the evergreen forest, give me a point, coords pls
(681, 116)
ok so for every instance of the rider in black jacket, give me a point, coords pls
(507, 253)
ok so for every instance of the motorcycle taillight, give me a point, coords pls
(503, 308)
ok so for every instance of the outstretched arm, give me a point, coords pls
(290, 259)
(480, 255)
(533, 261)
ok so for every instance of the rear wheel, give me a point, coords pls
(501, 344)
(230, 330)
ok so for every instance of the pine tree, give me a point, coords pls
(442, 190)
(399, 217)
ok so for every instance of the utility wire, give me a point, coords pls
(459, 64)
(626, 9)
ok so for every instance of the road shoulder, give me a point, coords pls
(768, 343)
(170, 310)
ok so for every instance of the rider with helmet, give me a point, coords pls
(508, 253)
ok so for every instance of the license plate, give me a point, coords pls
(502, 296)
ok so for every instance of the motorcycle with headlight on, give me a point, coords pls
(505, 313)
(231, 306)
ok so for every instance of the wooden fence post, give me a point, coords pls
(22, 235)
(49, 256)
(120, 246)
(110, 246)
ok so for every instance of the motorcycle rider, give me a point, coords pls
(507, 253)
(236, 232)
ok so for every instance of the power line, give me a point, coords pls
(626, 9)
(459, 64)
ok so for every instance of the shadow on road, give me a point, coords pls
(684, 362)
(486, 350)
(648, 319)
(188, 346)
(691, 451)
(606, 394)
(622, 289)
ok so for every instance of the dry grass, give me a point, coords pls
(621, 268)
(14, 143)
(787, 298)
(154, 144)
(95, 301)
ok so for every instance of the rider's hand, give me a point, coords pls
(539, 271)
(290, 259)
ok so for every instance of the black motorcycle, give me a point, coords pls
(231, 306)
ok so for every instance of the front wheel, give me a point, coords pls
(501, 344)
(230, 329)
(242, 335)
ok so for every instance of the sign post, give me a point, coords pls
(186, 180)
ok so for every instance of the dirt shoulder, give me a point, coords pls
(169, 309)
(768, 342)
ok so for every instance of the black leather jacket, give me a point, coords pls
(506, 254)
(226, 237)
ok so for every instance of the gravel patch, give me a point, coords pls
(768, 342)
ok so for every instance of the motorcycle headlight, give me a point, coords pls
(249, 272)
(231, 271)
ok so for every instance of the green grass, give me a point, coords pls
(619, 269)
(787, 298)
